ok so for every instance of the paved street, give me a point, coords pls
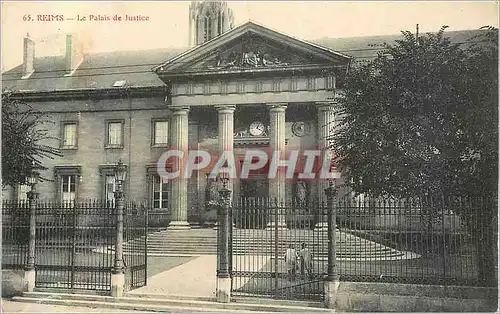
(19, 307)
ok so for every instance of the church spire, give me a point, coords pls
(208, 19)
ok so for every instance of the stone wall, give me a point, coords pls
(389, 297)
(91, 116)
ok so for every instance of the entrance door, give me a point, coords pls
(254, 188)
(253, 197)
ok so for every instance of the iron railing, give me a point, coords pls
(442, 240)
(73, 244)
(433, 240)
(263, 232)
(15, 234)
(135, 225)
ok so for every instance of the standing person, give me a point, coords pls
(305, 260)
(291, 260)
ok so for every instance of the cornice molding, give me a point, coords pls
(189, 75)
(94, 93)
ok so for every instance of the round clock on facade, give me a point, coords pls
(301, 128)
(256, 128)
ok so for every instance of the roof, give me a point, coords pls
(251, 27)
(97, 71)
(102, 70)
(366, 47)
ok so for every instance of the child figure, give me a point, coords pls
(305, 260)
(291, 260)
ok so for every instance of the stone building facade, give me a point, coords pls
(237, 89)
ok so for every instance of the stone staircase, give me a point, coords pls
(166, 303)
(194, 242)
(203, 241)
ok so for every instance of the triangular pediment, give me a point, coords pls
(252, 46)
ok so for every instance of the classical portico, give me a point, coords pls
(259, 89)
(179, 140)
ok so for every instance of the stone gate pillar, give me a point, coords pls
(179, 138)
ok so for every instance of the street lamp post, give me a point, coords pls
(223, 292)
(29, 275)
(332, 281)
(117, 276)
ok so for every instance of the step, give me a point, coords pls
(172, 242)
(261, 248)
(158, 303)
(236, 299)
(199, 252)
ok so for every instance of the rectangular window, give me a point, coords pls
(115, 134)
(160, 132)
(68, 188)
(160, 193)
(69, 135)
(110, 187)
(21, 192)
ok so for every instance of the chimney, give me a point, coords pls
(28, 57)
(74, 54)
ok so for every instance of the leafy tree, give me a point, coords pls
(23, 134)
(423, 117)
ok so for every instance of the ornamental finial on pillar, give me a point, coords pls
(331, 183)
(224, 180)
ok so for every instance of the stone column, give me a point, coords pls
(277, 144)
(179, 138)
(325, 125)
(226, 139)
(226, 133)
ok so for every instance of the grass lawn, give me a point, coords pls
(427, 269)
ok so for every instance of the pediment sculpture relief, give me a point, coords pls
(253, 54)
(251, 59)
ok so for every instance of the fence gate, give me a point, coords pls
(73, 245)
(135, 224)
(264, 232)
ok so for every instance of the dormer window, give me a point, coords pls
(119, 83)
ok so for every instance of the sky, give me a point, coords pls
(168, 24)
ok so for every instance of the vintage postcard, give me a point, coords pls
(249, 156)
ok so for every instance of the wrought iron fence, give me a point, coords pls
(73, 244)
(135, 225)
(432, 240)
(268, 242)
(427, 240)
(15, 234)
